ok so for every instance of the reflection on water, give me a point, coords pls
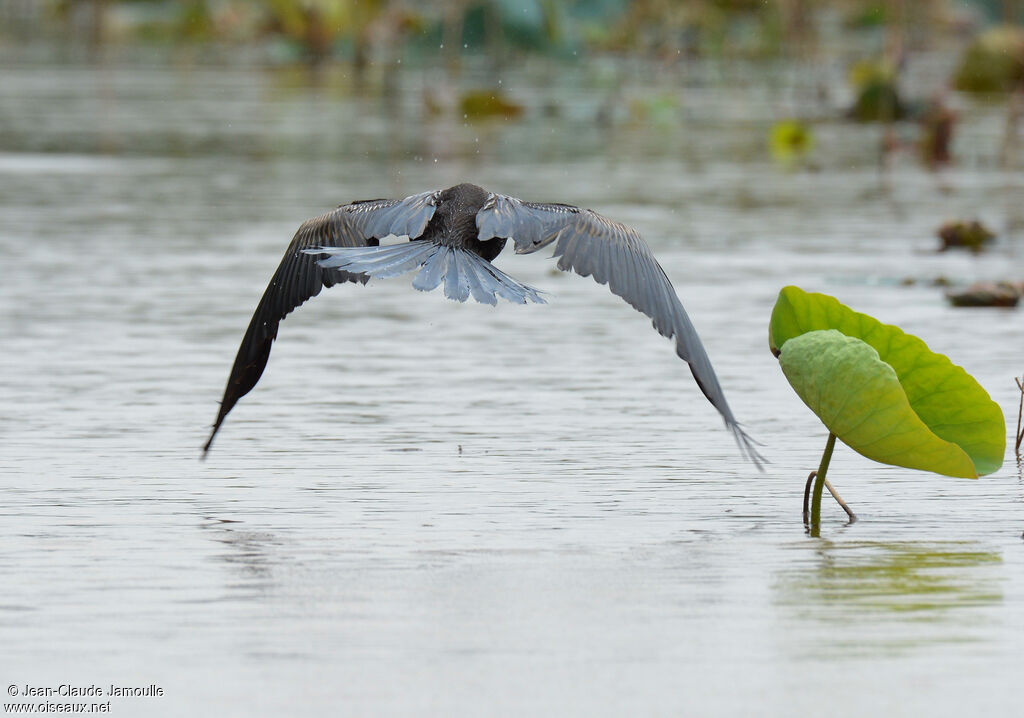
(870, 596)
(246, 550)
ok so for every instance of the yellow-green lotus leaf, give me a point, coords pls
(845, 381)
(859, 398)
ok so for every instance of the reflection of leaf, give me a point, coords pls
(854, 388)
(878, 598)
(861, 579)
(659, 110)
(879, 102)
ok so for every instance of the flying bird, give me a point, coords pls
(453, 235)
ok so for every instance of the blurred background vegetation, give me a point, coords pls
(365, 33)
(916, 72)
(360, 44)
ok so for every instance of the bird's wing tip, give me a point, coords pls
(747, 446)
(209, 443)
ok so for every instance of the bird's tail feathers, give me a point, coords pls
(379, 262)
(463, 273)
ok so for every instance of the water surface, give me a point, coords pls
(428, 508)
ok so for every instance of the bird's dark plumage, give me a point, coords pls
(299, 277)
(453, 235)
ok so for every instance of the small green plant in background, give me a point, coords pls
(878, 98)
(488, 104)
(883, 392)
(993, 63)
(791, 141)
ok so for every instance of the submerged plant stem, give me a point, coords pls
(831, 490)
(807, 498)
(1020, 411)
(839, 500)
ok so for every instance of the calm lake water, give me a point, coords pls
(428, 508)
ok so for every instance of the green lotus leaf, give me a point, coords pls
(859, 398)
(891, 383)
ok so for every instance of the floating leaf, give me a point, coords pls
(879, 392)
(988, 294)
(482, 104)
(969, 235)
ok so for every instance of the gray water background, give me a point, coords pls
(428, 508)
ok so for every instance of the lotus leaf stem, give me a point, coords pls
(813, 521)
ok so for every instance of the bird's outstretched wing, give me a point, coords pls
(299, 278)
(616, 255)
